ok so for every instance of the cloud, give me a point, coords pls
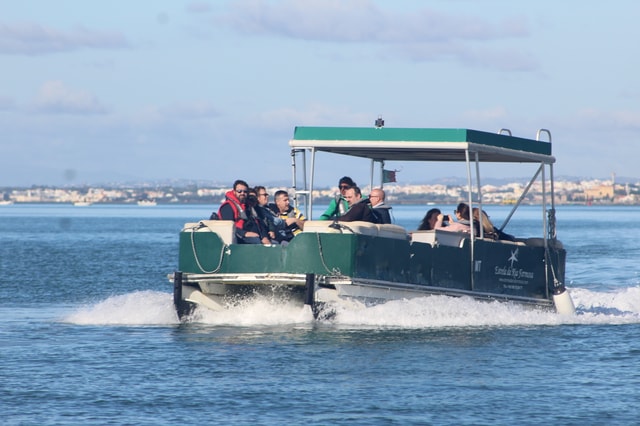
(34, 39)
(361, 21)
(420, 35)
(54, 97)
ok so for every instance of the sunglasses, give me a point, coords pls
(241, 191)
(344, 187)
(264, 195)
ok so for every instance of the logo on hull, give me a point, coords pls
(511, 275)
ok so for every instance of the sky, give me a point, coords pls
(154, 90)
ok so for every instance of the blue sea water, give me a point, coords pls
(88, 335)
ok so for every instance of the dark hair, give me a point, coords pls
(252, 199)
(424, 225)
(240, 182)
(356, 190)
(279, 193)
(463, 209)
(346, 180)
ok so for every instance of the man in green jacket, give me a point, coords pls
(339, 206)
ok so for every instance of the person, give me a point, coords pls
(488, 229)
(291, 216)
(463, 217)
(359, 209)
(430, 220)
(339, 205)
(462, 224)
(268, 218)
(252, 206)
(248, 229)
(380, 210)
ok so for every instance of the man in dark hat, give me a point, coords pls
(339, 206)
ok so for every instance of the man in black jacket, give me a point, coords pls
(381, 211)
(359, 209)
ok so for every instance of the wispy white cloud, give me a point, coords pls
(56, 98)
(422, 35)
(35, 39)
(361, 21)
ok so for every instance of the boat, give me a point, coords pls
(147, 203)
(6, 202)
(82, 203)
(331, 262)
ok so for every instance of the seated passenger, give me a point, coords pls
(431, 220)
(380, 210)
(359, 209)
(291, 216)
(247, 226)
(338, 206)
(252, 207)
(268, 218)
(490, 231)
(463, 223)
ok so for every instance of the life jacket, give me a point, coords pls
(341, 205)
(239, 215)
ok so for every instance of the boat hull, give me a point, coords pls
(323, 265)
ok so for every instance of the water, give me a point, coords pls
(88, 335)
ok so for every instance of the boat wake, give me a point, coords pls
(137, 308)
(152, 308)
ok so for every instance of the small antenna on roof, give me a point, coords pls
(379, 122)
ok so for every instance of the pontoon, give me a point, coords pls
(331, 262)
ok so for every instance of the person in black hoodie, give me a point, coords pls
(359, 209)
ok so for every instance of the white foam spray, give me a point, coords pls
(155, 308)
(137, 308)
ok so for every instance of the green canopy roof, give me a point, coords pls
(412, 144)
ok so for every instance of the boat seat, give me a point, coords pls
(389, 230)
(324, 227)
(224, 228)
(440, 237)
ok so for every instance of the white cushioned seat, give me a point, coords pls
(224, 228)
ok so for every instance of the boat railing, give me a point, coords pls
(540, 132)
